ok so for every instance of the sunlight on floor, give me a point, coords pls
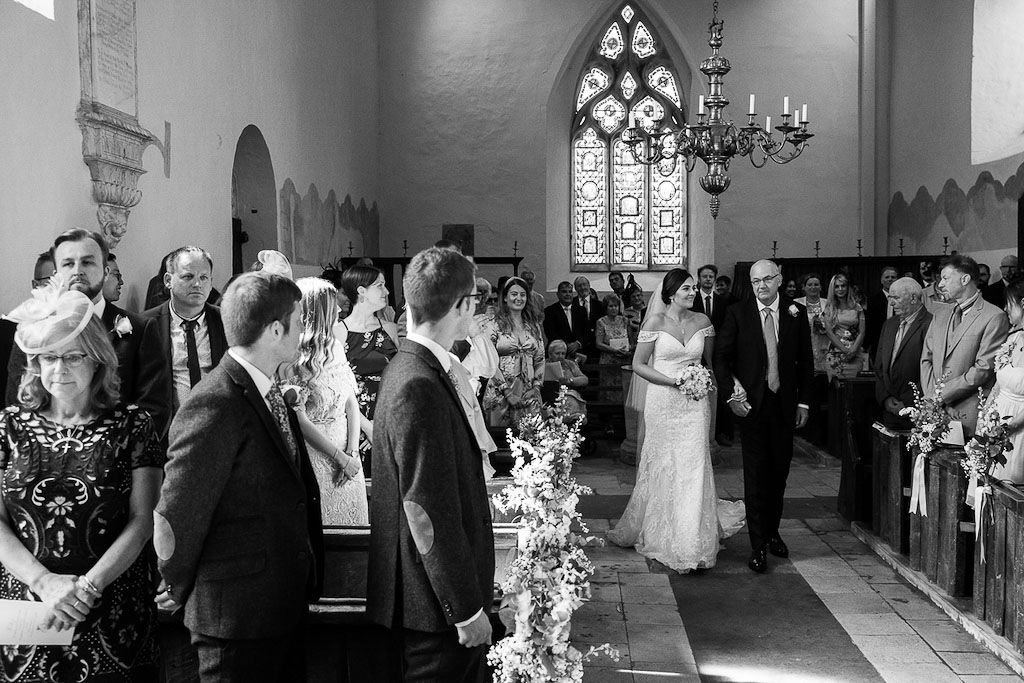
(750, 674)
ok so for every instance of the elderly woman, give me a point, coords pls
(615, 339)
(514, 391)
(80, 478)
(564, 371)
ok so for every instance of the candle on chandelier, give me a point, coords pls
(700, 104)
(803, 114)
(751, 112)
(785, 105)
(768, 123)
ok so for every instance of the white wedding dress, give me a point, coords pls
(324, 399)
(674, 515)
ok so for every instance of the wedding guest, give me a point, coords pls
(536, 298)
(723, 287)
(568, 374)
(878, 309)
(190, 328)
(472, 371)
(708, 301)
(928, 272)
(486, 305)
(995, 293)
(514, 391)
(333, 275)
(616, 342)
(961, 342)
(566, 319)
(984, 275)
(238, 532)
(1008, 392)
(843, 319)
(156, 290)
(790, 288)
(617, 283)
(80, 477)
(897, 363)
(327, 409)
(812, 301)
(636, 310)
(587, 299)
(113, 282)
(44, 269)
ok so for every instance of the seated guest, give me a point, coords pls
(559, 369)
(995, 293)
(113, 283)
(190, 328)
(1008, 392)
(514, 391)
(80, 477)
(843, 318)
(566, 320)
(897, 362)
(616, 341)
(878, 309)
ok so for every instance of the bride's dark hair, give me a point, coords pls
(674, 279)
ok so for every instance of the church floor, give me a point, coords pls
(833, 611)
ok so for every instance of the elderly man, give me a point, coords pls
(587, 299)
(961, 342)
(897, 361)
(995, 294)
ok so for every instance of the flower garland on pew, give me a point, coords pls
(550, 578)
(984, 451)
(931, 422)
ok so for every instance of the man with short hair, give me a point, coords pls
(190, 328)
(536, 299)
(44, 270)
(897, 363)
(928, 271)
(41, 275)
(431, 564)
(81, 257)
(566, 320)
(238, 530)
(713, 305)
(961, 342)
(984, 275)
(995, 293)
(113, 282)
(617, 283)
(879, 309)
(587, 299)
(723, 287)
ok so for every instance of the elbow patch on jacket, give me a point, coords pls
(163, 537)
(420, 525)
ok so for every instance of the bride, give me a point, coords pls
(674, 515)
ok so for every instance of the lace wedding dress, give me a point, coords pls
(674, 515)
(324, 398)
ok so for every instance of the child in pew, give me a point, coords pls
(567, 373)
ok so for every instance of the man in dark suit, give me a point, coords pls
(587, 299)
(879, 309)
(40, 278)
(898, 357)
(238, 530)
(80, 256)
(995, 293)
(431, 565)
(763, 359)
(713, 305)
(190, 328)
(566, 320)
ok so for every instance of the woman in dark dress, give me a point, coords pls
(79, 478)
(370, 342)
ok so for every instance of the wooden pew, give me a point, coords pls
(999, 581)
(890, 499)
(851, 409)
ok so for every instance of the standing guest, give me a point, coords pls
(897, 363)
(431, 571)
(995, 293)
(333, 275)
(1008, 392)
(368, 344)
(80, 257)
(843, 318)
(41, 275)
(113, 283)
(984, 275)
(44, 269)
(790, 288)
(617, 283)
(812, 301)
(80, 477)
(156, 291)
(636, 309)
(713, 305)
(566, 320)
(616, 341)
(190, 328)
(928, 273)
(723, 287)
(514, 391)
(237, 530)
(536, 298)
(878, 309)
(961, 342)
(587, 299)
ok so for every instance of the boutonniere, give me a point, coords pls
(122, 325)
(793, 310)
(290, 392)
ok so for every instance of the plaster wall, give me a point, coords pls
(304, 73)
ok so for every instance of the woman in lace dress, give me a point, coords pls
(674, 515)
(327, 408)
(1008, 392)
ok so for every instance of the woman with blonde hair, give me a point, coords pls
(327, 408)
(843, 319)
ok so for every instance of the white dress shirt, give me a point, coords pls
(263, 383)
(179, 353)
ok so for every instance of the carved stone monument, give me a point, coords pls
(112, 139)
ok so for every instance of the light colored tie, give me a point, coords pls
(899, 340)
(771, 343)
(707, 305)
(568, 316)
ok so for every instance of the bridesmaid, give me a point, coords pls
(1008, 392)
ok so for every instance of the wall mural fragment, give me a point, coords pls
(314, 231)
(981, 219)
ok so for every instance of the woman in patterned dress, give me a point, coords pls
(514, 391)
(79, 478)
(615, 339)
(843, 318)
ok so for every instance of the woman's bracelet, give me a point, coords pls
(89, 586)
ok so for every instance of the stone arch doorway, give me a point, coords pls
(253, 200)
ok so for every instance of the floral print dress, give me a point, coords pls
(368, 354)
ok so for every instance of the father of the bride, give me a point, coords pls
(763, 356)
(431, 565)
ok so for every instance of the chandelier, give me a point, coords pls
(712, 139)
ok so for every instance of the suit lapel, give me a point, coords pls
(914, 328)
(424, 355)
(754, 311)
(215, 333)
(969, 319)
(164, 329)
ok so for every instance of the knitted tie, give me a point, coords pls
(280, 412)
(707, 305)
(772, 345)
(194, 373)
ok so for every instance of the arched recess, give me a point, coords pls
(253, 199)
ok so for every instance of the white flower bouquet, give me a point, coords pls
(695, 382)
(989, 445)
(929, 418)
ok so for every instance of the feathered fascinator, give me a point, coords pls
(275, 262)
(51, 318)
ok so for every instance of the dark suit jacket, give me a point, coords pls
(431, 559)
(718, 306)
(995, 294)
(740, 352)
(874, 318)
(238, 530)
(894, 375)
(7, 330)
(215, 328)
(145, 380)
(557, 327)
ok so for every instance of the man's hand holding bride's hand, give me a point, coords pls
(739, 407)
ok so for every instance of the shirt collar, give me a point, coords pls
(179, 319)
(263, 383)
(966, 305)
(774, 306)
(430, 345)
(913, 316)
(99, 305)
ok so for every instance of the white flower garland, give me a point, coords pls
(550, 578)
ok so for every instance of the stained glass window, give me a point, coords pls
(625, 214)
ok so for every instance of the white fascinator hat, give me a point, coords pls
(275, 262)
(53, 317)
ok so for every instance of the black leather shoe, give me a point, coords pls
(758, 561)
(777, 547)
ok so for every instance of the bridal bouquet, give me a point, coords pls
(550, 578)
(989, 444)
(695, 382)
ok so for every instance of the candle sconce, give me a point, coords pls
(817, 248)
(859, 248)
(901, 246)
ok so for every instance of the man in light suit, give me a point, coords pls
(897, 361)
(962, 342)
(431, 565)
(238, 531)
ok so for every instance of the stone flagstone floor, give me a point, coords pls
(832, 612)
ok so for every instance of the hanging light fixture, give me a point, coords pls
(712, 139)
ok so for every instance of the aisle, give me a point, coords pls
(832, 612)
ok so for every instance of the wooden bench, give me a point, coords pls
(890, 499)
(999, 580)
(851, 407)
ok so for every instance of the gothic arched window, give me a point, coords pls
(625, 214)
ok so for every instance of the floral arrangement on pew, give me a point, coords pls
(930, 423)
(985, 450)
(550, 578)
(696, 382)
